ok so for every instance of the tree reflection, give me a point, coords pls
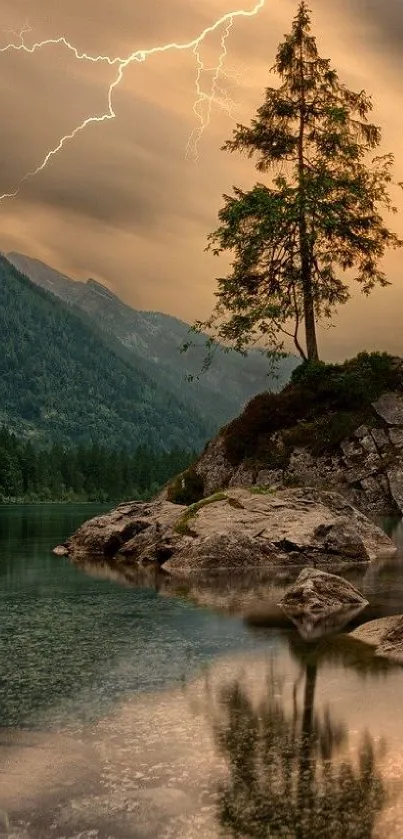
(290, 776)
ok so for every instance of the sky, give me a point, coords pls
(123, 202)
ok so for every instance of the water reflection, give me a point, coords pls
(254, 596)
(312, 627)
(291, 774)
(136, 684)
(394, 529)
(71, 646)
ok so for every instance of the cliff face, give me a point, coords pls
(337, 428)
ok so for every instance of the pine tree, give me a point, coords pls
(299, 241)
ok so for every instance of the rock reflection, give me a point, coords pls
(291, 774)
(314, 627)
(254, 596)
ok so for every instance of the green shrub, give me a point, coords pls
(360, 379)
(187, 488)
(321, 406)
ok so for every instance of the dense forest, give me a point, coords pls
(83, 473)
(151, 342)
(62, 381)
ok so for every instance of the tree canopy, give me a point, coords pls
(299, 239)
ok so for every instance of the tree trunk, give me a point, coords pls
(309, 312)
(305, 257)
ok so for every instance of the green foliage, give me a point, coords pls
(93, 473)
(62, 381)
(357, 381)
(321, 406)
(186, 488)
(257, 490)
(297, 240)
(290, 774)
(183, 525)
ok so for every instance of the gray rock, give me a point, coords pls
(302, 466)
(372, 487)
(390, 407)
(385, 634)
(368, 444)
(236, 529)
(359, 474)
(317, 596)
(351, 450)
(214, 466)
(396, 437)
(103, 536)
(60, 550)
(243, 477)
(395, 478)
(269, 478)
(392, 641)
(380, 437)
(362, 431)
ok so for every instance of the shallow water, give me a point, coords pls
(159, 710)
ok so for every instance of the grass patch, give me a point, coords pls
(182, 526)
(256, 490)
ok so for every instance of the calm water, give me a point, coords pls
(165, 710)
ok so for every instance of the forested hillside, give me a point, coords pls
(152, 342)
(83, 473)
(62, 381)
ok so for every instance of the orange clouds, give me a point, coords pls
(121, 203)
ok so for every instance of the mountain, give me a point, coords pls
(63, 380)
(152, 341)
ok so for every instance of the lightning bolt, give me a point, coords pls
(203, 106)
(226, 22)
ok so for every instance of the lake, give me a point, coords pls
(168, 711)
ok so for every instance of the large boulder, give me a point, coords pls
(385, 634)
(319, 603)
(237, 529)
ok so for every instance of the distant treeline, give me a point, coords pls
(83, 473)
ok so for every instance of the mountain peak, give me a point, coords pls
(101, 289)
(151, 342)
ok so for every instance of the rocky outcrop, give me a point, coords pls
(237, 529)
(366, 467)
(319, 603)
(385, 634)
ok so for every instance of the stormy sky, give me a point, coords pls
(121, 202)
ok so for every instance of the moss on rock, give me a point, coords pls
(182, 526)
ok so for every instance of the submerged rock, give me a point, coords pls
(233, 530)
(319, 603)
